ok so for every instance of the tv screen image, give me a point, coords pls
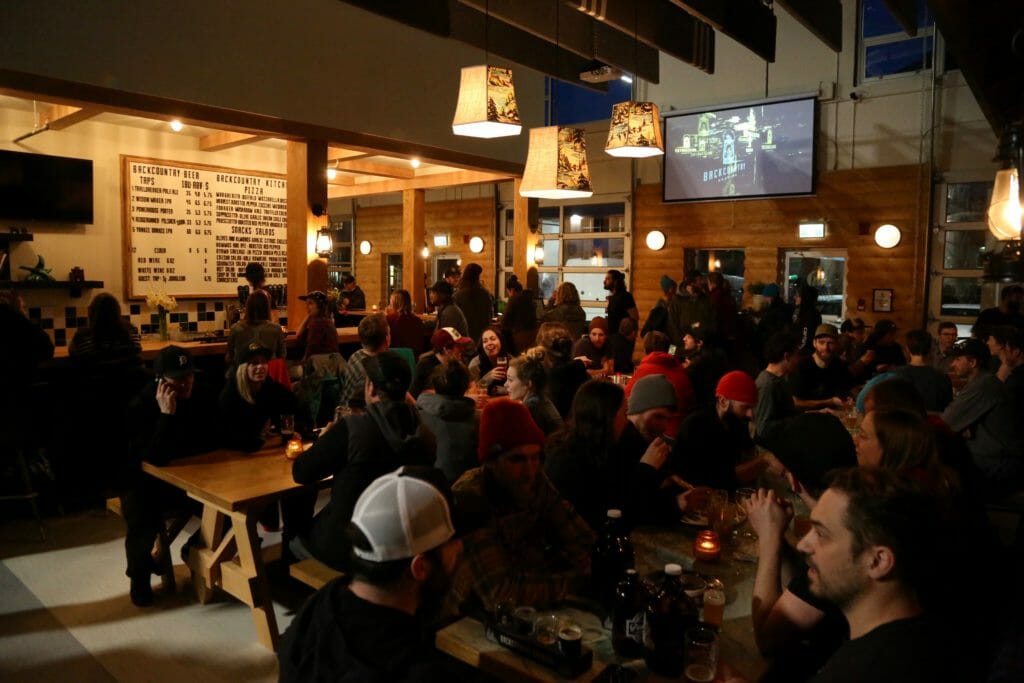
(755, 150)
(41, 187)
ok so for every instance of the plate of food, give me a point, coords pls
(694, 518)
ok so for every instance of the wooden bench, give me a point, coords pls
(313, 573)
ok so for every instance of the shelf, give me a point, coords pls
(75, 288)
(15, 237)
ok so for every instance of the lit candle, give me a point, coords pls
(294, 448)
(707, 547)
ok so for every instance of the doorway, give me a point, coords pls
(441, 264)
(392, 275)
(823, 269)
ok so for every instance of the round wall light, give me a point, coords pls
(888, 236)
(476, 244)
(365, 247)
(655, 240)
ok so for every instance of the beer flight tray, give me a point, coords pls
(550, 656)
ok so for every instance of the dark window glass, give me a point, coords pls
(904, 56)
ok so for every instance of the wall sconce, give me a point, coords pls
(365, 247)
(1004, 211)
(812, 230)
(324, 243)
(888, 236)
(476, 244)
(425, 251)
(538, 252)
(440, 241)
(655, 240)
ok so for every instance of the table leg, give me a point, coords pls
(201, 560)
(254, 586)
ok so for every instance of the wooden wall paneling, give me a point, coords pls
(765, 228)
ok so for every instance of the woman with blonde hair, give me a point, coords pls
(525, 382)
(251, 398)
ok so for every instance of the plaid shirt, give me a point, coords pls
(353, 378)
(533, 556)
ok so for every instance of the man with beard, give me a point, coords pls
(524, 542)
(873, 552)
(404, 552)
(714, 447)
(822, 380)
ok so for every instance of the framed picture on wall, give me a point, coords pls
(881, 302)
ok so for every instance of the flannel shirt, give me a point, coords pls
(532, 556)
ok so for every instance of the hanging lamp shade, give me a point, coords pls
(556, 164)
(487, 103)
(635, 130)
(1004, 211)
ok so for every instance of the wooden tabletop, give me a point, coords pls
(230, 480)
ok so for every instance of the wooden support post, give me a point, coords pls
(524, 237)
(413, 265)
(307, 196)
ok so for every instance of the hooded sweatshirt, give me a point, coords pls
(355, 452)
(340, 638)
(453, 421)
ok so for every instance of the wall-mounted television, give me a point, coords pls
(44, 188)
(764, 149)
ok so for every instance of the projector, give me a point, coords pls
(601, 74)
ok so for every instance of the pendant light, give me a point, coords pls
(556, 162)
(635, 127)
(487, 99)
(1004, 210)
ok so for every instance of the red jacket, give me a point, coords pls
(661, 363)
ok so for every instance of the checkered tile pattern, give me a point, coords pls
(190, 316)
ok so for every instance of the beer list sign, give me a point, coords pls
(191, 229)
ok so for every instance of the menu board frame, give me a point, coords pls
(189, 171)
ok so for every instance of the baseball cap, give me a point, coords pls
(826, 330)
(974, 348)
(403, 514)
(173, 362)
(446, 336)
(506, 424)
(442, 287)
(255, 349)
(737, 386)
(652, 391)
(316, 295)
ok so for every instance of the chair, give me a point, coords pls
(408, 355)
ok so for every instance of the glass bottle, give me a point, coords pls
(670, 613)
(629, 616)
(612, 556)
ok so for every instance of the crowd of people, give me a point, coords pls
(477, 475)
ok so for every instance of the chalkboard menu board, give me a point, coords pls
(190, 229)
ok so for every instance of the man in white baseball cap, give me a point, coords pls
(404, 552)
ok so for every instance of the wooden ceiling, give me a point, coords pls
(357, 171)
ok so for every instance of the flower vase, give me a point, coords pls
(162, 313)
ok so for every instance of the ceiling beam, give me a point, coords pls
(364, 167)
(419, 183)
(338, 153)
(905, 14)
(226, 139)
(749, 22)
(823, 18)
(576, 31)
(60, 116)
(451, 19)
(658, 24)
(341, 180)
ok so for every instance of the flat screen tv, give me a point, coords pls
(765, 149)
(44, 188)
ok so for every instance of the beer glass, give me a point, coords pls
(700, 655)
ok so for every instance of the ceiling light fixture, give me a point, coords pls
(635, 128)
(487, 98)
(332, 173)
(177, 126)
(1004, 210)
(414, 162)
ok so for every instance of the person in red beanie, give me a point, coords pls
(714, 447)
(524, 542)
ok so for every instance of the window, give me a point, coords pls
(885, 50)
(581, 243)
(340, 263)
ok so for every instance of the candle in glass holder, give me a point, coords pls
(707, 547)
(294, 448)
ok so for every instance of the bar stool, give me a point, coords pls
(29, 493)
